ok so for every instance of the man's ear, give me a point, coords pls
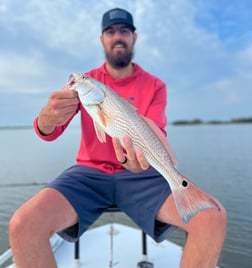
(134, 37)
(101, 39)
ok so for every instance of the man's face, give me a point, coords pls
(118, 42)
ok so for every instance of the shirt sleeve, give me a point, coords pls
(55, 134)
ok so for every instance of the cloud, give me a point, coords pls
(230, 21)
(201, 49)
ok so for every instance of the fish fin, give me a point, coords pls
(99, 123)
(190, 200)
(102, 117)
(100, 133)
(98, 127)
(162, 138)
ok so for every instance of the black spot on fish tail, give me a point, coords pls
(184, 183)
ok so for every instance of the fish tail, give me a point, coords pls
(189, 200)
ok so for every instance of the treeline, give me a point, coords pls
(241, 120)
(15, 127)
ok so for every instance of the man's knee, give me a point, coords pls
(210, 220)
(218, 217)
(22, 225)
(221, 218)
(17, 224)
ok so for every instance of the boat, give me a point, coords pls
(110, 245)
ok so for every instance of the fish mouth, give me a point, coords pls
(71, 80)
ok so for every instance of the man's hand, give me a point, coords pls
(60, 107)
(136, 162)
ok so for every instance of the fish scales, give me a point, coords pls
(115, 116)
(142, 136)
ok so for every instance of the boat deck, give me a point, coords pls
(117, 245)
(114, 245)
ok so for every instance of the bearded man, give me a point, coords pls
(110, 173)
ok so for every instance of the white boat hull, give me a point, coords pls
(96, 251)
(120, 246)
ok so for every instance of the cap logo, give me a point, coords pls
(117, 14)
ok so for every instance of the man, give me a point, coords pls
(107, 174)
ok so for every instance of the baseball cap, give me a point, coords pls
(115, 16)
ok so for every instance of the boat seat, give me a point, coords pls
(114, 209)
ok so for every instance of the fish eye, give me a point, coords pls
(84, 77)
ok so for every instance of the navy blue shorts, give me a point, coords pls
(90, 192)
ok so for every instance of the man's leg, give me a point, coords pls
(34, 223)
(205, 234)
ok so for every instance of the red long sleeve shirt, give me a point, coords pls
(145, 91)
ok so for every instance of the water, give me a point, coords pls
(217, 158)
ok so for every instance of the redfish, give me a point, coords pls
(115, 116)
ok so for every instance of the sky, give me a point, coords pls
(201, 49)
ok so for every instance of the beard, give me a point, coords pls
(120, 59)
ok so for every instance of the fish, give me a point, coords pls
(115, 116)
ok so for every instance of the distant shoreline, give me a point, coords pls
(245, 120)
(15, 127)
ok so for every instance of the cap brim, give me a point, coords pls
(105, 27)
